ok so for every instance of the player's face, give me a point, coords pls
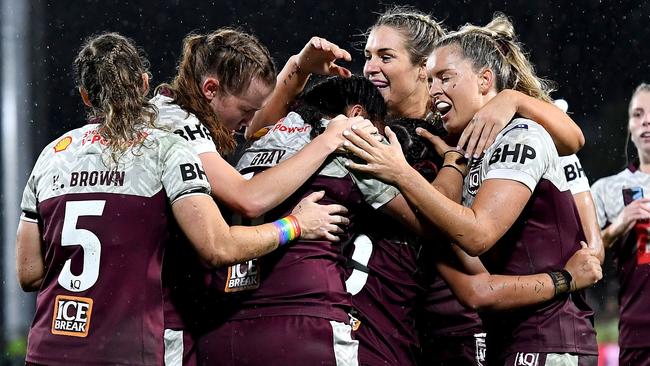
(639, 122)
(236, 111)
(454, 88)
(388, 65)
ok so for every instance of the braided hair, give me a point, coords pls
(420, 30)
(233, 57)
(110, 68)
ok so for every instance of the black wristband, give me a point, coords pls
(561, 281)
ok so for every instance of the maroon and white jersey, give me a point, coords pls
(385, 287)
(104, 231)
(305, 277)
(574, 174)
(631, 253)
(185, 124)
(542, 239)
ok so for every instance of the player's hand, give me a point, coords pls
(319, 56)
(482, 130)
(340, 123)
(385, 161)
(320, 221)
(637, 210)
(584, 267)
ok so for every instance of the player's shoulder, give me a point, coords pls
(612, 181)
(170, 114)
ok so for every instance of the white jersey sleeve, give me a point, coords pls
(173, 118)
(523, 152)
(599, 193)
(574, 174)
(182, 172)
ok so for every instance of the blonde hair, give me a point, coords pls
(109, 67)
(495, 46)
(233, 57)
(419, 30)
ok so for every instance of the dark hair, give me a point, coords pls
(109, 67)
(233, 57)
(330, 97)
(495, 46)
(418, 152)
(420, 30)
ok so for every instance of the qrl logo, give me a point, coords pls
(72, 316)
(243, 276)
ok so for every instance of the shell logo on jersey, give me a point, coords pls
(62, 144)
(71, 316)
(243, 276)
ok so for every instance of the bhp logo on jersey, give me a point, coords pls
(192, 171)
(573, 171)
(243, 276)
(72, 316)
(517, 154)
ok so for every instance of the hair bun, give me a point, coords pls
(501, 27)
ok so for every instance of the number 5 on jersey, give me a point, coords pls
(88, 241)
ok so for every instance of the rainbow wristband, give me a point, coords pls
(288, 229)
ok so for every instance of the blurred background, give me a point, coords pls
(594, 51)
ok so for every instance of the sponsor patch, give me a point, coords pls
(71, 316)
(243, 276)
(355, 323)
(474, 177)
(527, 359)
(62, 144)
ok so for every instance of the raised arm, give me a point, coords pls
(498, 112)
(317, 57)
(479, 290)
(254, 197)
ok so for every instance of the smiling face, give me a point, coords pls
(639, 121)
(458, 91)
(388, 66)
(236, 111)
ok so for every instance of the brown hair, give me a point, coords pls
(110, 67)
(419, 30)
(495, 47)
(235, 58)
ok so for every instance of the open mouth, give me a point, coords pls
(645, 135)
(443, 107)
(380, 83)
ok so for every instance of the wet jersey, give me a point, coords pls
(104, 231)
(542, 239)
(305, 277)
(631, 253)
(183, 271)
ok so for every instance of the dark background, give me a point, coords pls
(596, 52)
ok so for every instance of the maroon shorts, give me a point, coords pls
(550, 359)
(279, 340)
(455, 351)
(634, 356)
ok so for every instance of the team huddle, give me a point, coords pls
(429, 212)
